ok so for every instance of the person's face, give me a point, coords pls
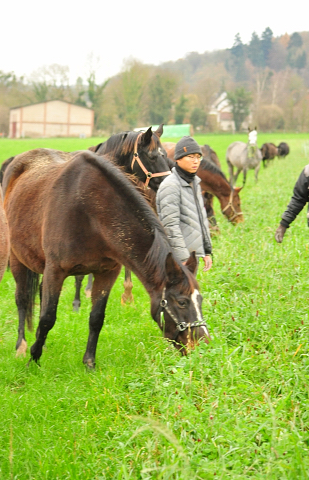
(190, 163)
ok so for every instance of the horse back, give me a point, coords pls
(236, 154)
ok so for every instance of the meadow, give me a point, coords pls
(237, 408)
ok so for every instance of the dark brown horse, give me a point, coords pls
(269, 152)
(283, 150)
(84, 216)
(4, 239)
(215, 183)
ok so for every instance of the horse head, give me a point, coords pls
(149, 160)
(177, 309)
(252, 136)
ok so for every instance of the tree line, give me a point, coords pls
(268, 78)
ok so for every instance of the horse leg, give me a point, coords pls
(236, 176)
(89, 285)
(256, 171)
(127, 296)
(78, 286)
(208, 204)
(231, 172)
(26, 286)
(102, 286)
(52, 284)
(244, 177)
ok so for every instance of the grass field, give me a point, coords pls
(235, 409)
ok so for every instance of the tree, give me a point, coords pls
(297, 57)
(266, 42)
(255, 52)
(181, 109)
(240, 100)
(198, 118)
(161, 92)
(237, 64)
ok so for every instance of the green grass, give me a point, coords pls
(235, 409)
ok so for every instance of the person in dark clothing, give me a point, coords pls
(180, 205)
(298, 201)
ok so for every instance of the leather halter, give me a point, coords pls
(230, 205)
(148, 174)
(180, 326)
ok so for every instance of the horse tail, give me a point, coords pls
(32, 284)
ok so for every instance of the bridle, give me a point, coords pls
(180, 326)
(148, 174)
(230, 205)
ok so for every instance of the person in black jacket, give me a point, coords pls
(298, 201)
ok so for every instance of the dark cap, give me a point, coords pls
(186, 146)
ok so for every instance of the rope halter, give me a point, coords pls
(148, 174)
(230, 205)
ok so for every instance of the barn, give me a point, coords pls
(54, 118)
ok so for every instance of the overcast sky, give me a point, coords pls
(35, 33)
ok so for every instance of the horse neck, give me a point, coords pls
(216, 184)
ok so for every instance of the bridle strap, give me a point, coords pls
(230, 205)
(180, 326)
(148, 174)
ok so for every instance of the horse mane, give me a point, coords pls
(212, 167)
(121, 144)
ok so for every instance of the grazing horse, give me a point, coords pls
(84, 216)
(244, 156)
(214, 182)
(4, 239)
(283, 149)
(269, 152)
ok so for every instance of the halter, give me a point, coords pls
(148, 174)
(180, 326)
(230, 205)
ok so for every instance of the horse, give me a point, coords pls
(244, 156)
(84, 216)
(283, 150)
(269, 152)
(214, 182)
(4, 238)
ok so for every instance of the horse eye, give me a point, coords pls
(182, 303)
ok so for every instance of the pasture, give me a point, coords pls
(236, 409)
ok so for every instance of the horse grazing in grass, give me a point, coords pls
(4, 238)
(244, 156)
(283, 150)
(214, 182)
(84, 216)
(269, 152)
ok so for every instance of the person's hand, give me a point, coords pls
(208, 263)
(280, 233)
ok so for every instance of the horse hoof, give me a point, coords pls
(22, 349)
(125, 299)
(88, 293)
(76, 305)
(90, 364)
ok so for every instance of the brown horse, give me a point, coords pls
(84, 216)
(215, 183)
(269, 152)
(4, 239)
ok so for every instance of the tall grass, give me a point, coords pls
(237, 408)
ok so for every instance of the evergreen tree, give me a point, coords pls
(255, 52)
(239, 100)
(181, 109)
(266, 41)
(238, 59)
(161, 92)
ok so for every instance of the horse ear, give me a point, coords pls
(191, 263)
(146, 137)
(159, 130)
(173, 269)
(237, 189)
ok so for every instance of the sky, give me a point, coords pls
(102, 35)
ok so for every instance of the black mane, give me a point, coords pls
(212, 167)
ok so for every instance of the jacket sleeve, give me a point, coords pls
(299, 199)
(168, 200)
(207, 237)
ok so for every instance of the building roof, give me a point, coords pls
(49, 101)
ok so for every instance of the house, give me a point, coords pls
(222, 116)
(53, 118)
